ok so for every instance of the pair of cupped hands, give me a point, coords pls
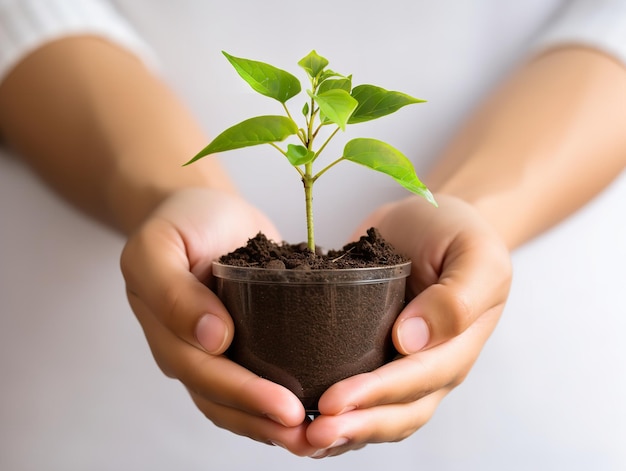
(458, 286)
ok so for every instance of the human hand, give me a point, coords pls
(188, 328)
(460, 280)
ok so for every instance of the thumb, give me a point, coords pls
(434, 316)
(159, 281)
(475, 278)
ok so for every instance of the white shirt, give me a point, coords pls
(79, 388)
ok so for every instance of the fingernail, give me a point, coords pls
(347, 409)
(319, 454)
(211, 333)
(275, 419)
(323, 453)
(414, 334)
(339, 442)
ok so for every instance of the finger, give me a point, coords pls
(475, 277)
(157, 272)
(412, 377)
(216, 378)
(261, 429)
(335, 435)
(461, 268)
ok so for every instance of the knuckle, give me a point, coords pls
(133, 258)
(125, 259)
(161, 358)
(170, 301)
(459, 316)
(166, 369)
(458, 378)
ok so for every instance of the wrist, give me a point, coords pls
(131, 204)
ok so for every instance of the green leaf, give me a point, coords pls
(305, 109)
(265, 78)
(335, 84)
(375, 102)
(299, 155)
(251, 132)
(327, 73)
(337, 105)
(313, 64)
(384, 158)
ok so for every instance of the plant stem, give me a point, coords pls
(325, 169)
(326, 142)
(287, 112)
(308, 180)
(285, 154)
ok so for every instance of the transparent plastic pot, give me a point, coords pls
(308, 329)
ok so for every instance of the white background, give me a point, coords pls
(79, 389)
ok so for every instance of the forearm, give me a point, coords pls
(544, 145)
(102, 130)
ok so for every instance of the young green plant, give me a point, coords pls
(332, 104)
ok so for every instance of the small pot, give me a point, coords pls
(308, 329)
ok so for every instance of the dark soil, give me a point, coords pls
(369, 251)
(308, 336)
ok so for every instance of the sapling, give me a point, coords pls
(332, 104)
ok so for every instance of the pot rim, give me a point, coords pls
(325, 276)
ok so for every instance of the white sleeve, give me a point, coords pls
(599, 24)
(25, 25)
